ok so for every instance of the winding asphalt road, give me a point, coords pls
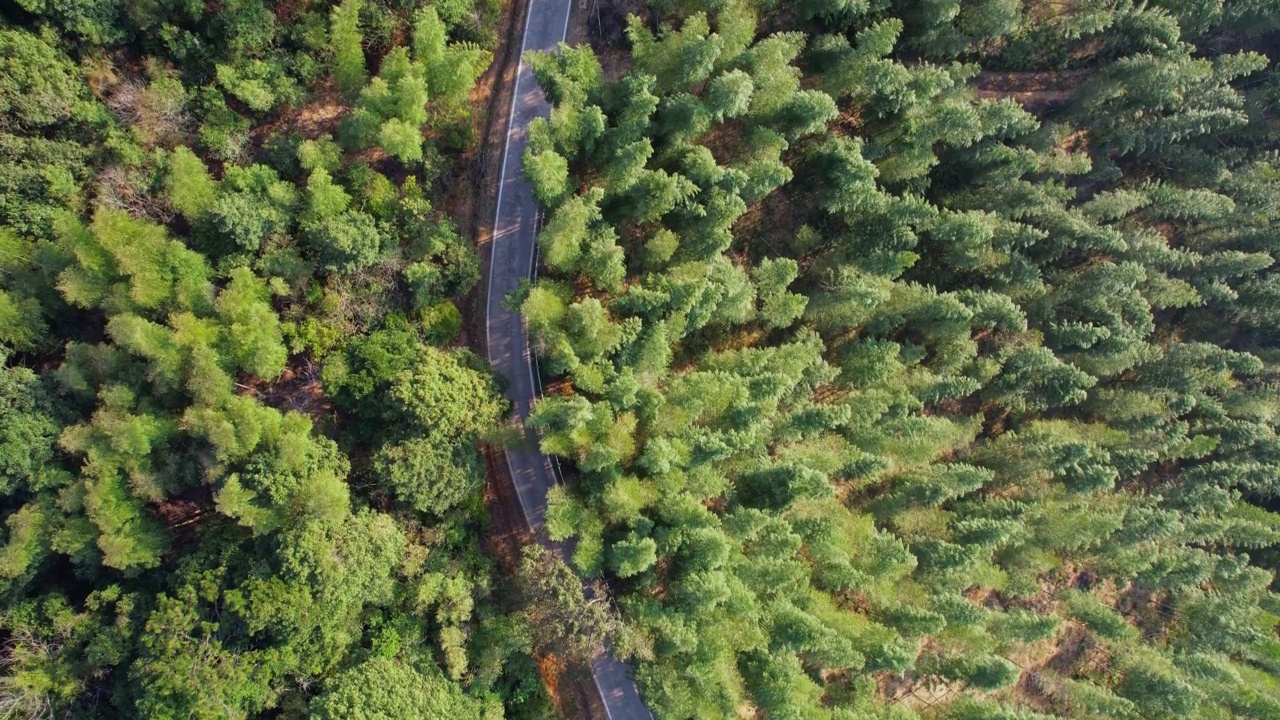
(511, 260)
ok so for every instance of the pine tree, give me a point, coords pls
(677, 59)
(191, 190)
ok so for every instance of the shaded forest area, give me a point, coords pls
(921, 356)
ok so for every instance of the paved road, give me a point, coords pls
(511, 260)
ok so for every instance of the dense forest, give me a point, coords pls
(906, 359)
(923, 358)
(238, 439)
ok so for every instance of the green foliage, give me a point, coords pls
(261, 85)
(391, 109)
(191, 190)
(560, 617)
(127, 265)
(729, 95)
(451, 70)
(41, 87)
(548, 174)
(1098, 617)
(388, 688)
(346, 48)
(429, 474)
(346, 242)
(877, 330)
(323, 154)
(47, 137)
(896, 338)
(401, 139)
(324, 200)
(429, 408)
(179, 535)
(778, 308)
(1152, 682)
(269, 492)
(251, 328)
(31, 422)
(21, 327)
(677, 58)
(572, 73)
(441, 322)
(632, 557)
(444, 392)
(254, 207)
(983, 672)
(1033, 379)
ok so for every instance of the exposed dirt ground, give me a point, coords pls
(1038, 92)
